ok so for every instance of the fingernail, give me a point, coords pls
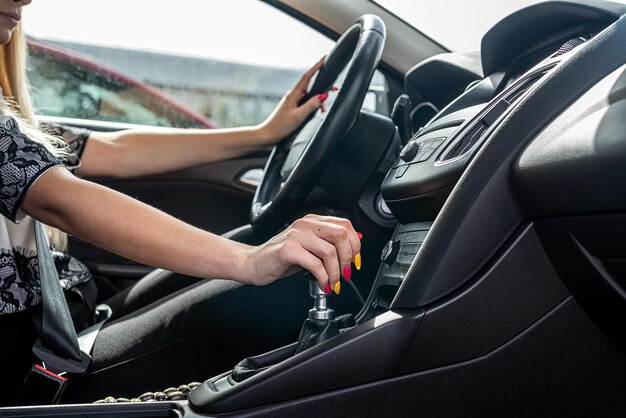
(323, 97)
(357, 261)
(335, 88)
(327, 289)
(337, 287)
(358, 234)
(347, 273)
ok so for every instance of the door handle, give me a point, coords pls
(252, 177)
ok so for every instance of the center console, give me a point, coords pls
(326, 340)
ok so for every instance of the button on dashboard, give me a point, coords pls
(427, 144)
(406, 259)
(390, 252)
(425, 155)
(411, 236)
(409, 248)
(428, 147)
(409, 151)
(437, 142)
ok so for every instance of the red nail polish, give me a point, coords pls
(347, 273)
(358, 234)
(323, 97)
(327, 289)
(335, 88)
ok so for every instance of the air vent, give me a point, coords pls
(476, 129)
(470, 138)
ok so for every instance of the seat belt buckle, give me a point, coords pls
(41, 387)
(44, 384)
(59, 364)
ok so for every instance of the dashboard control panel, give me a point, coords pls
(418, 151)
(397, 256)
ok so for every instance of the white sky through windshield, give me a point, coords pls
(457, 24)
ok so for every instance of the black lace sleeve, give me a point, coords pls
(22, 161)
(76, 139)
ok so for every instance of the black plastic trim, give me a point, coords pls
(315, 370)
(511, 36)
(589, 253)
(513, 292)
(560, 366)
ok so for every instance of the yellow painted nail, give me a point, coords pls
(357, 261)
(337, 287)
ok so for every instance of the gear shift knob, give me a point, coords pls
(321, 308)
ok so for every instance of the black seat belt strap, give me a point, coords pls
(58, 333)
(57, 347)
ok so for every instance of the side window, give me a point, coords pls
(376, 99)
(212, 66)
(66, 84)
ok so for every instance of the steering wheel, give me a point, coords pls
(296, 163)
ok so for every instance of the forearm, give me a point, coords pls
(132, 229)
(144, 152)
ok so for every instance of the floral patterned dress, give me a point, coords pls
(22, 162)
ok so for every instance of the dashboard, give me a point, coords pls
(470, 105)
(460, 100)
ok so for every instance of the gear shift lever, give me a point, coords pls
(320, 309)
(321, 324)
(318, 327)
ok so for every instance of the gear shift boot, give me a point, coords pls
(315, 331)
(321, 324)
(317, 328)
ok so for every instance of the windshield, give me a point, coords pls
(456, 24)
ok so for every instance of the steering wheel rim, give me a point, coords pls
(277, 198)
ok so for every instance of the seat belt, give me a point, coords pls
(57, 346)
(87, 337)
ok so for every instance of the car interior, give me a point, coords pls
(493, 218)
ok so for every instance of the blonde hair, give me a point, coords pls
(15, 101)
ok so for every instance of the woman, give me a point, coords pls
(34, 184)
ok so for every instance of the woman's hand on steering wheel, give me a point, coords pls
(288, 115)
(323, 245)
